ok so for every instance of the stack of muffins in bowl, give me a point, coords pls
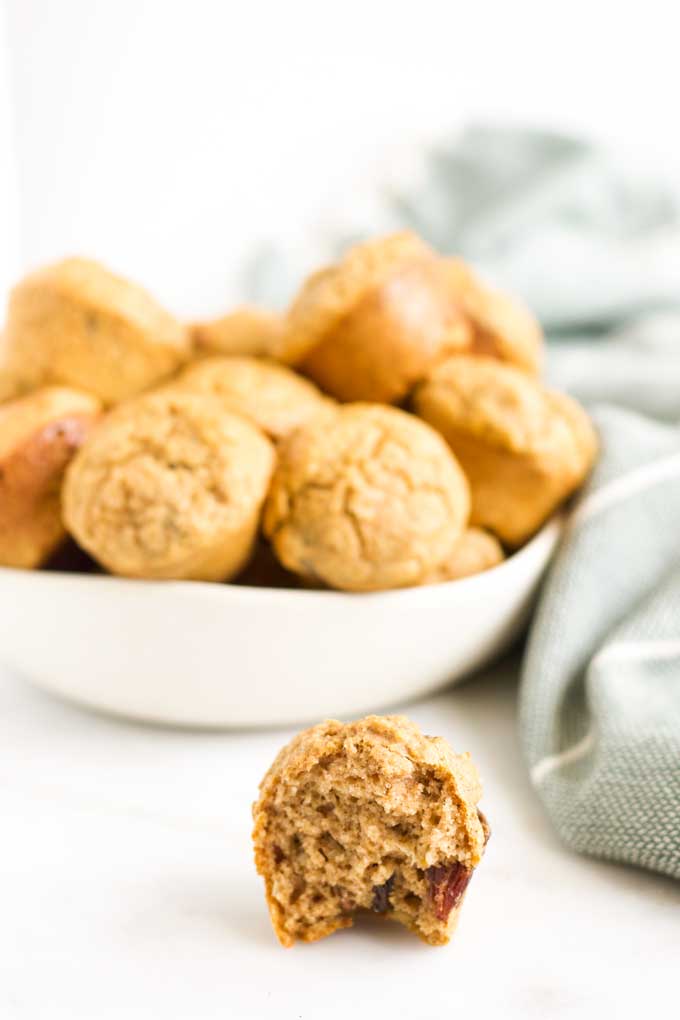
(389, 430)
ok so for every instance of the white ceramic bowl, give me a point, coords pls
(217, 655)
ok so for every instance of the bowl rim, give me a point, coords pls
(545, 538)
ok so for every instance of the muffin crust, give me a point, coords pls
(523, 448)
(77, 324)
(369, 327)
(39, 434)
(269, 395)
(369, 498)
(170, 486)
(502, 326)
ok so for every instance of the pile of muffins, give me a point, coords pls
(390, 429)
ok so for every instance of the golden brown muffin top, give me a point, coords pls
(77, 324)
(368, 498)
(271, 396)
(499, 403)
(330, 293)
(160, 476)
(89, 283)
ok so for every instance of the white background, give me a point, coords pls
(167, 139)
(128, 892)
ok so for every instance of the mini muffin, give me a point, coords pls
(169, 486)
(523, 448)
(371, 326)
(39, 435)
(368, 498)
(475, 551)
(75, 323)
(367, 816)
(502, 326)
(271, 396)
(246, 331)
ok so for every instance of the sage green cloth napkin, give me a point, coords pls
(592, 242)
(594, 246)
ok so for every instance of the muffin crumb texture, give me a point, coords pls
(367, 816)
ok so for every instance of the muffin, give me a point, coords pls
(523, 448)
(372, 325)
(245, 331)
(475, 551)
(271, 396)
(75, 323)
(367, 816)
(39, 435)
(366, 499)
(9, 386)
(169, 486)
(502, 326)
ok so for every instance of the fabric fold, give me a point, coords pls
(592, 243)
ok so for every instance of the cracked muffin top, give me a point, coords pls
(369, 498)
(502, 326)
(271, 396)
(170, 485)
(77, 324)
(505, 407)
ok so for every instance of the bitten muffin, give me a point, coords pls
(271, 396)
(369, 815)
(169, 486)
(38, 436)
(523, 448)
(475, 551)
(245, 331)
(502, 326)
(75, 323)
(368, 498)
(371, 326)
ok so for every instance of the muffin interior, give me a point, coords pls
(342, 841)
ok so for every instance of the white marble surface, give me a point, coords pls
(127, 887)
